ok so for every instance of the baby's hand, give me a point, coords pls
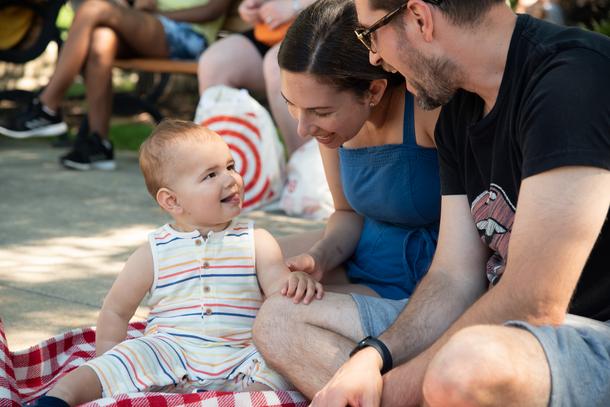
(301, 286)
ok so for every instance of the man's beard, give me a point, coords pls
(436, 79)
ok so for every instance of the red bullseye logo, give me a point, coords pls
(244, 140)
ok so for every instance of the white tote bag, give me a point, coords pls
(306, 192)
(247, 128)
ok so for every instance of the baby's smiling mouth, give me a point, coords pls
(229, 198)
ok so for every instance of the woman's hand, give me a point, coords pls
(306, 263)
(249, 11)
(277, 12)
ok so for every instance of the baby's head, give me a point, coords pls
(189, 171)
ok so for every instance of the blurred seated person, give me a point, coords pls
(102, 31)
(249, 59)
(548, 10)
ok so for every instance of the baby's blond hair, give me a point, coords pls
(158, 152)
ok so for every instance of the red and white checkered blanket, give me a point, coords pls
(28, 374)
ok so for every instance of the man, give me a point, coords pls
(524, 147)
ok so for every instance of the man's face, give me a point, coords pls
(432, 79)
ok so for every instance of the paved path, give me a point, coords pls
(64, 236)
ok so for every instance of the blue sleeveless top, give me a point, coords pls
(396, 188)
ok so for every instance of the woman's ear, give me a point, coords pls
(376, 90)
(167, 199)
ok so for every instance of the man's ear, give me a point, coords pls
(167, 199)
(376, 90)
(421, 13)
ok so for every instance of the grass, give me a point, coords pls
(129, 136)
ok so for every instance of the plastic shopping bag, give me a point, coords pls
(306, 191)
(247, 128)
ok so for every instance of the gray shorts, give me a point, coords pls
(578, 353)
(183, 42)
(377, 314)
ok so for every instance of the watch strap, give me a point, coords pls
(383, 350)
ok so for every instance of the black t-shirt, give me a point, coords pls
(552, 110)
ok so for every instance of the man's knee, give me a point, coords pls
(470, 369)
(271, 321)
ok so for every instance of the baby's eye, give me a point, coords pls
(209, 176)
(231, 167)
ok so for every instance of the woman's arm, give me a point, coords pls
(344, 226)
(121, 303)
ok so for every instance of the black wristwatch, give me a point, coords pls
(383, 350)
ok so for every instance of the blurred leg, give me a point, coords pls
(105, 44)
(286, 124)
(232, 61)
(142, 33)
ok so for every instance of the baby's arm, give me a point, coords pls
(274, 276)
(121, 302)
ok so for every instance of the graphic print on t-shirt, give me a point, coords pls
(493, 214)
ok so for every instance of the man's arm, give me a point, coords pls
(123, 299)
(558, 219)
(455, 280)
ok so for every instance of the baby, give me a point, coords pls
(204, 273)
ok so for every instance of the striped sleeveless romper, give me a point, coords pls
(203, 300)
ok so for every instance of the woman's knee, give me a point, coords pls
(271, 70)
(470, 368)
(229, 62)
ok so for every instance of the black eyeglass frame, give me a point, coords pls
(364, 34)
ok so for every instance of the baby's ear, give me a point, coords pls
(167, 199)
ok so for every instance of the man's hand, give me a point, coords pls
(301, 286)
(306, 263)
(357, 383)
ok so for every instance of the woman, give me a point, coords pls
(378, 152)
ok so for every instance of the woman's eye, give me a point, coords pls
(323, 114)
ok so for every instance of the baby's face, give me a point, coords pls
(208, 187)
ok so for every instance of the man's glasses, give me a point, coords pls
(364, 34)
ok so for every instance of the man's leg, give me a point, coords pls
(523, 365)
(488, 366)
(307, 343)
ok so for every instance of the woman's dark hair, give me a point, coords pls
(321, 42)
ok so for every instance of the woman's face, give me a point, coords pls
(331, 116)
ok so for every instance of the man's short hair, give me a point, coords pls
(158, 152)
(459, 12)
